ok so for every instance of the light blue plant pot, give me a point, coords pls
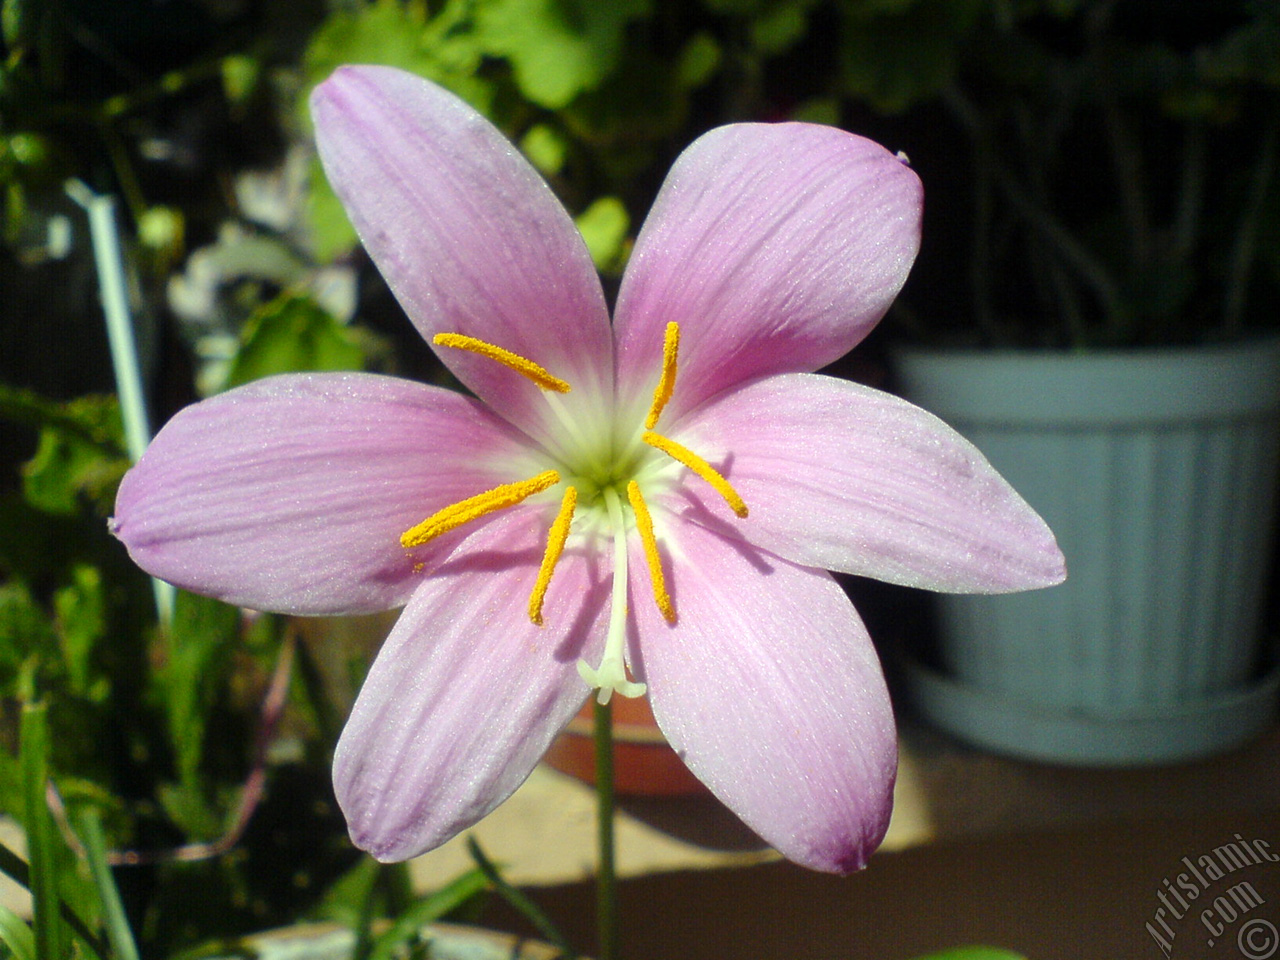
(1157, 470)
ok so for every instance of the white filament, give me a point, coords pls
(611, 675)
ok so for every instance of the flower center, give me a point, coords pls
(599, 480)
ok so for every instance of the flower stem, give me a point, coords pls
(606, 879)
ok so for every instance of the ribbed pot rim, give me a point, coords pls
(1117, 388)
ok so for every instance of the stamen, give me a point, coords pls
(519, 364)
(456, 514)
(644, 523)
(700, 467)
(667, 382)
(556, 538)
(611, 675)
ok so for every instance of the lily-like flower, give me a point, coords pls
(648, 505)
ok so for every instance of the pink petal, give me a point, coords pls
(467, 234)
(776, 246)
(290, 494)
(841, 476)
(769, 689)
(466, 694)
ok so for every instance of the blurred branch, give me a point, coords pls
(1186, 224)
(1069, 250)
(1246, 244)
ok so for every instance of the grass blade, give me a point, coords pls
(528, 909)
(119, 934)
(16, 935)
(16, 869)
(42, 838)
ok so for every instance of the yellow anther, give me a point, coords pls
(667, 382)
(519, 364)
(556, 538)
(456, 514)
(644, 523)
(700, 467)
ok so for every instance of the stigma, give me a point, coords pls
(608, 485)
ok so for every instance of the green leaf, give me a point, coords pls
(700, 58)
(81, 619)
(93, 418)
(293, 334)
(557, 48)
(25, 628)
(80, 454)
(780, 28)
(545, 147)
(893, 61)
(62, 467)
(188, 807)
(201, 642)
(332, 234)
(18, 22)
(345, 897)
(520, 901)
(974, 953)
(395, 34)
(385, 32)
(16, 935)
(637, 108)
(405, 930)
(735, 8)
(240, 76)
(161, 228)
(604, 227)
(824, 110)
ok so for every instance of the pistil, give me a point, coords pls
(611, 675)
(593, 461)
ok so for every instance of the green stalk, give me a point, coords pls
(119, 933)
(606, 876)
(42, 840)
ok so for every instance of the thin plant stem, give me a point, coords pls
(113, 285)
(606, 875)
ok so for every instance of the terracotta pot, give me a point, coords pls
(644, 765)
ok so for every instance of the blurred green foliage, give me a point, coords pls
(292, 333)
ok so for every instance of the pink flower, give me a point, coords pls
(714, 478)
